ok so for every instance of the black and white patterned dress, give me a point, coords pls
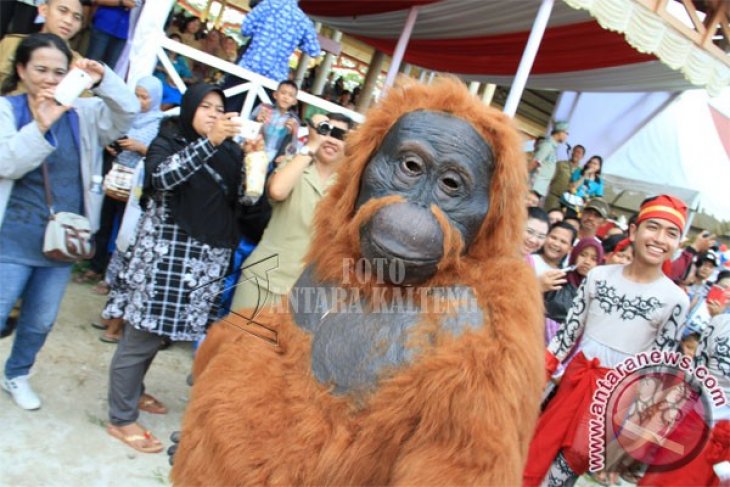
(170, 283)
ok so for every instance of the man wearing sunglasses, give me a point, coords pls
(294, 190)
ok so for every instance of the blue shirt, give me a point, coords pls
(26, 216)
(274, 129)
(589, 188)
(113, 21)
(276, 28)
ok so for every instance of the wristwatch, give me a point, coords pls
(305, 151)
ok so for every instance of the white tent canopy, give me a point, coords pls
(657, 140)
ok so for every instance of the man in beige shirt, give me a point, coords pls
(561, 179)
(63, 18)
(294, 189)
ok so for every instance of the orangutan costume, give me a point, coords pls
(429, 373)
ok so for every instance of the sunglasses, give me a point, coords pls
(325, 128)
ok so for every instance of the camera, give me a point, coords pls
(324, 128)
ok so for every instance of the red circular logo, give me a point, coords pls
(657, 416)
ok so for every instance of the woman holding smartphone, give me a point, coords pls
(35, 129)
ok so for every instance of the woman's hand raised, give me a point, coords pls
(46, 110)
(224, 128)
(93, 68)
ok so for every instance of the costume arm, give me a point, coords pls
(572, 328)
(169, 171)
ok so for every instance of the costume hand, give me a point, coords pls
(224, 128)
(46, 110)
(703, 242)
(175, 438)
(551, 280)
(93, 68)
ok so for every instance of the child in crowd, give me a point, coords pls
(623, 253)
(586, 255)
(280, 124)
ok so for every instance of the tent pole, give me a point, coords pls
(528, 57)
(400, 48)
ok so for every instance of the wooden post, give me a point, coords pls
(371, 79)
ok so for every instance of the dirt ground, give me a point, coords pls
(65, 443)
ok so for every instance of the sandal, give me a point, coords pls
(99, 325)
(87, 276)
(101, 288)
(144, 442)
(151, 405)
(107, 338)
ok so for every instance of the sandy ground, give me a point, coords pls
(65, 443)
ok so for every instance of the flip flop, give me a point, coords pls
(101, 288)
(99, 325)
(151, 405)
(109, 338)
(137, 441)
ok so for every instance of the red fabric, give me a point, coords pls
(699, 470)
(330, 8)
(564, 424)
(676, 270)
(722, 123)
(551, 363)
(500, 54)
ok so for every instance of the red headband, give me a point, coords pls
(664, 207)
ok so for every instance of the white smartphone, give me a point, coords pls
(71, 86)
(250, 129)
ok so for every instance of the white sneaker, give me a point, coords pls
(22, 393)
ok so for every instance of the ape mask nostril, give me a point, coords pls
(406, 235)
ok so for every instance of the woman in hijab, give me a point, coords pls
(174, 266)
(586, 255)
(133, 147)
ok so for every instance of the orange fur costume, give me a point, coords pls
(461, 413)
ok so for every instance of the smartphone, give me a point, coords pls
(250, 129)
(71, 86)
(115, 145)
(718, 294)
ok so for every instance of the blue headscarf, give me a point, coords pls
(146, 124)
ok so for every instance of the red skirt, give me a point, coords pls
(698, 471)
(565, 423)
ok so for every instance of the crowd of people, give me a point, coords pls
(611, 291)
(171, 223)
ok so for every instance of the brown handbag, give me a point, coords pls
(68, 236)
